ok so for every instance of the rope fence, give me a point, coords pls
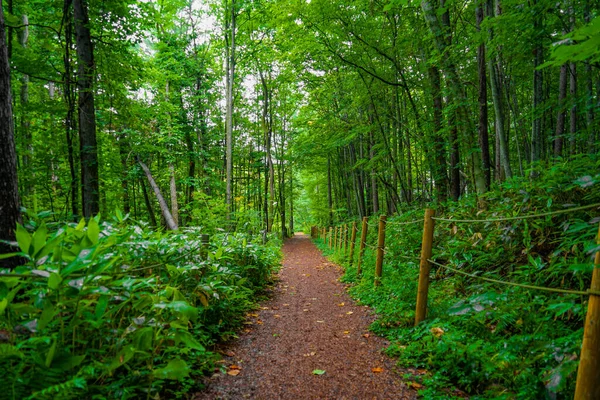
(530, 216)
(589, 371)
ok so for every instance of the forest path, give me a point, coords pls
(309, 324)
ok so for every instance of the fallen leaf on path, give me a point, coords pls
(247, 330)
(314, 298)
(415, 385)
(285, 305)
(341, 304)
(318, 372)
(258, 321)
(277, 316)
(312, 353)
(377, 370)
(233, 372)
(305, 310)
(366, 335)
(248, 323)
(346, 332)
(233, 366)
(321, 322)
(228, 353)
(350, 312)
(264, 308)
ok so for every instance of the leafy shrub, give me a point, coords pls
(490, 340)
(113, 310)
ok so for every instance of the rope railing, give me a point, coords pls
(419, 221)
(521, 285)
(530, 216)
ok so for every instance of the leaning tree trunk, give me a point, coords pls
(164, 208)
(9, 200)
(87, 112)
(560, 117)
(173, 190)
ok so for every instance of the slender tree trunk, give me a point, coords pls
(538, 88)
(87, 111)
(124, 173)
(69, 95)
(230, 65)
(169, 220)
(573, 116)
(374, 191)
(173, 190)
(440, 175)
(561, 114)
(148, 205)
(329, 189)
(9, 187)
(483, 109)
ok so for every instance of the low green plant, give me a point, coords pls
(110, 309)
(481, 338)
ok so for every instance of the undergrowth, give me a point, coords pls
(483, 339)
(114, 310)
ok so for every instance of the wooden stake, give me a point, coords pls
(330, 236)
(380, 250)
(352, 243)
(363, 244)
(335, 235)
(340, 232)
(588, 374)
(345, 240)
(425, 265)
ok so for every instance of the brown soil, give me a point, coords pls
(309, 324)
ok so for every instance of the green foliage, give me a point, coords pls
(490, 340)
(114, 310)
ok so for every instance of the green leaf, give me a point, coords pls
(54, 281)
(39, 239)
(189, 340)
(23, 239)
(50, 354)
(318, 372)
(93, 231)
(175, 369)
(9, 255)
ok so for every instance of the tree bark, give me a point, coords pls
(230, 66)
(173, 190)
(440, 175)
(561, 114)
(538, 88)
(87, 111)
(9, 187)
(170, 222)
(484, 143)
(573, 115)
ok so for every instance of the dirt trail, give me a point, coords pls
(309, 324)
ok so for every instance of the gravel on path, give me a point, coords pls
(310, 325)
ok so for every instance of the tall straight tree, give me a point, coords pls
(9, 198)
(230, 27)
(87, 111)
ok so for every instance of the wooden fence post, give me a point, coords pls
(425, 265)
(339, 246)
(588, 373)
(330, 236)
(380, 250)
(335, 239)
(345, 240)
(363, 244)
(352, 243)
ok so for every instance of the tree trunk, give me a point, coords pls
(9, 187)
(561, 114)
(173, 190)
(484, 143)
(573, 116)
(230, 66)
(538, 88)
(440, 175)
(124, 173)
(148, 204)
(329, 189)
(69, 95)
(496, 85)
(87, 111)
(170, 222)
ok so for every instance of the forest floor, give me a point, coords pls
(309, 341)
